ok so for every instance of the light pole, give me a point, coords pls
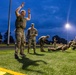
(67, 26)
(9, 16)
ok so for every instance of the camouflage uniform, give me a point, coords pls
(61, 47)
(42, 40)
(73, 45)
(55, 42)
(31, 34)
(20, 25)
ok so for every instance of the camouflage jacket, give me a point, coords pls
(32, 33)
(42, 38)
(20, 23)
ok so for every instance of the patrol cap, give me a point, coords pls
(32, 24)
(23, 11)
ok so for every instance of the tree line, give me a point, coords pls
(5, 36)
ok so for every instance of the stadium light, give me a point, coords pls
(67, 26)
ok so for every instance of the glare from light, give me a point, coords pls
(67, 26)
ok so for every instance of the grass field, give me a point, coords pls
(42, 63)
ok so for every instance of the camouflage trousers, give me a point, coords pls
(54, 44)
(33, 43)
(20, 40)
(41, 45)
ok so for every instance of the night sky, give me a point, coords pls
(49, 16)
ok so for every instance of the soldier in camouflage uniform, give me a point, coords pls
(60, 47)
(42, 40)
(20, 25)
(31, 34)
(63, 47)
(55, 41)
(73, 44)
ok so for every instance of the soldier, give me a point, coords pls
(20, 25)
(61, 47)
(73, 44)
(31, 35)
(42, 40)
(65, 47)
(55, 42)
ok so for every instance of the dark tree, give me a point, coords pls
(59, 39)
(62, 40)
(6, 37)
(11, 39)
(0, 37)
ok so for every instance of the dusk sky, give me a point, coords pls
(49, 16)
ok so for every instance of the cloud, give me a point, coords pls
(51, 9)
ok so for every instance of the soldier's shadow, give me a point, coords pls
(26, 62)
